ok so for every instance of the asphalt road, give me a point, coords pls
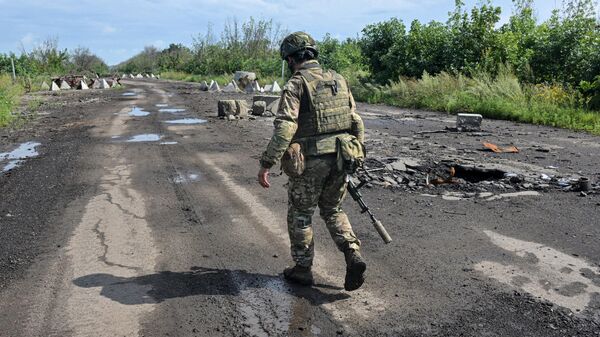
(142, 222)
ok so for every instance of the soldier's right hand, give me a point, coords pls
(263, 177)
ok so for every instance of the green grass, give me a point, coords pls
(500, 97)
(10, 96)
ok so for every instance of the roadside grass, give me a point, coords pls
(222, 79)
(10, 96)
(499, 97)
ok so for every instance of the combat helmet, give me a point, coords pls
(295, 42)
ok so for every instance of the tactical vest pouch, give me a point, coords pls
(350, 153)
(292, 162)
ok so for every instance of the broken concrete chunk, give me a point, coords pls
(241, 107)
(243, 78)
(227, 107)
(268, 99)
(54, 87)
(45, 86)
(274, 106)
(268, 88)
(259, 108)
(468, 122)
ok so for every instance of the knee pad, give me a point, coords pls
(302, 221)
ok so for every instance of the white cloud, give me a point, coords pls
(108, 29)
(28, 39)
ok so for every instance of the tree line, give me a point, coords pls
(47, 59)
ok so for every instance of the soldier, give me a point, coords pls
(315, 109)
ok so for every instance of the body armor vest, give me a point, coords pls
(329, 104)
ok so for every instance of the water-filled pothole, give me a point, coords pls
(138, 112)
(17, 156)
(145, 137)
(186, 178)
(171, 110)
(129, 94)
(161, 105)
(186, 121)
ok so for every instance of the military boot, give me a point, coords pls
(355, 269)
(298, 274)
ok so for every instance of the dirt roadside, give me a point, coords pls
(470, 258)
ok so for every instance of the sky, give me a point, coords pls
(117, 30)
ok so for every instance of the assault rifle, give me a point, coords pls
(354, 192)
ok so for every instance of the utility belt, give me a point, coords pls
(349, 151)
(319, 145)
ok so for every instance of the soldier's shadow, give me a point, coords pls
(155, 288)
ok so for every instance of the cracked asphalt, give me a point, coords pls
(126, 225)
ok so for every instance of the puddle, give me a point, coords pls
(186, 178)
(168, 143)
(146, 137)
(138, 112)
(543, 271)
(161, 105)
(129, 94)
(115, 137)
(187, 121)
(18, 155)
(172, 110)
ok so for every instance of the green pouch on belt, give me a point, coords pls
(350, 153)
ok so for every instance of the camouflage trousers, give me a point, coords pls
(320, 185)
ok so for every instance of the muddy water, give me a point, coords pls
(187, 121)
(145, 137)
(138, 112)
(172, 110)
(18, 155)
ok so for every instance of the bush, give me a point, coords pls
(10, 95)
(498, 97)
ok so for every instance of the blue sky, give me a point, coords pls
(117, 30)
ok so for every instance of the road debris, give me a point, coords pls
(468, 122)
(496, 149)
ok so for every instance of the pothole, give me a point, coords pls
(17, 156)
(145, 137)
(186, 121)
(138, 112)
(172, 110)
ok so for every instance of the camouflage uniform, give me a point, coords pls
(321, 183)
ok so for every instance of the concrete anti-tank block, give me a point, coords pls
(227, 107)
(268, 99)
(241, 107)
(468, 122)
(259, 108)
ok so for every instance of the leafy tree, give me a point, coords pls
(83, 60)
(383, 45)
